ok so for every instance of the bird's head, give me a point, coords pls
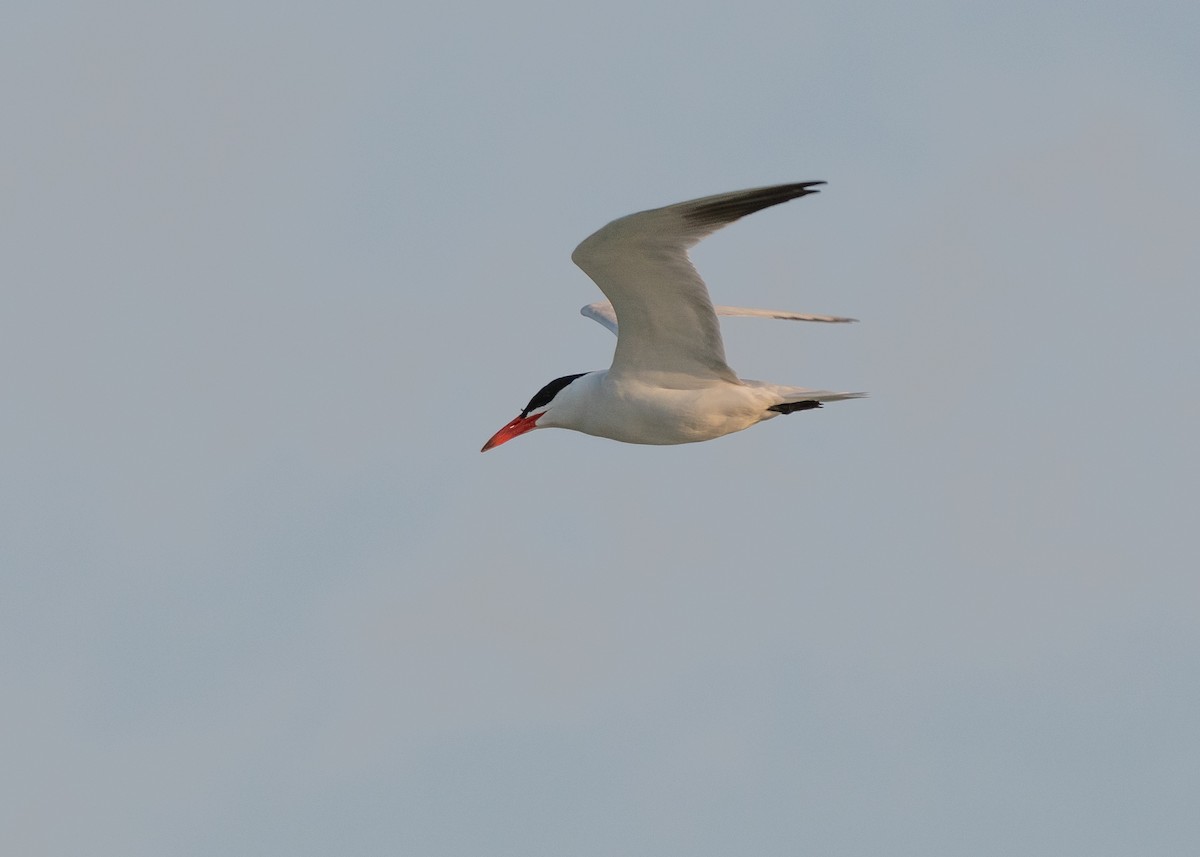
(542, 403)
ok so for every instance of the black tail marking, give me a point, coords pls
(792, 407)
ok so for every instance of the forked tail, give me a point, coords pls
(810, 399)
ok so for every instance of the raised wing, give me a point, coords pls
(602, 311)
(667, 320)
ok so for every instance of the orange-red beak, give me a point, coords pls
(518, 426)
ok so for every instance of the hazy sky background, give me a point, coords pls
(273, 272)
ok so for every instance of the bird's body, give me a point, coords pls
(667, 410)
(669, 382)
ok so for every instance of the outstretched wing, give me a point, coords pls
(667, 323)
(603, 312)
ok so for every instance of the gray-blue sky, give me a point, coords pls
(272, 273)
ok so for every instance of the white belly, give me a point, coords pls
(634, 411)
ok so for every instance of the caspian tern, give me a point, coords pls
(669, 382)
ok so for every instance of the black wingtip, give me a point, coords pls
(731, 207)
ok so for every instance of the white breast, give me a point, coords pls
(658, 410)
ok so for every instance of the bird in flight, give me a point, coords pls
(668, 382)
